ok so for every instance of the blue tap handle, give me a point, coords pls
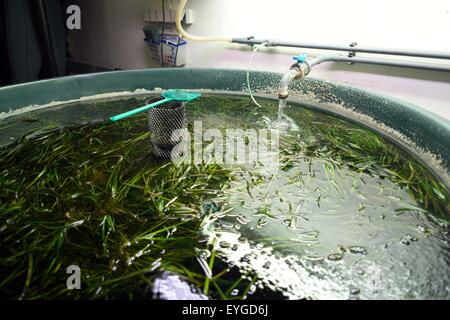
(301, 58)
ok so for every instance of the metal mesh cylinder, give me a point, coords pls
(166, 124)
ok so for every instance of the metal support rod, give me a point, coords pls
(407, 53)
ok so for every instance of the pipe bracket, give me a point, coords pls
(352, 54)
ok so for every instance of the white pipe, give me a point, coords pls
(189, 36)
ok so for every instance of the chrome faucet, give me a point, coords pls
(298, 70)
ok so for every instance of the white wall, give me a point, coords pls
(111, 36)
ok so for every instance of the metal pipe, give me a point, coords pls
(283, 89)
(383, 62)
(296, 71)
(301, 70)
(394, 52)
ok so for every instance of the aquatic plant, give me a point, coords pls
(93, 196)
(364, 151)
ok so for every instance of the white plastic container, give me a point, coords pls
(155, 50)
(174, 50)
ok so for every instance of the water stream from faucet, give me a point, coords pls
(283, 122)
(281, 105)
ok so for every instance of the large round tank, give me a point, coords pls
(424, 135)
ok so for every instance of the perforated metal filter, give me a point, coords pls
(165, 124)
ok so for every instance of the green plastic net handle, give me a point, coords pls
(171, 95)
(138, 110)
